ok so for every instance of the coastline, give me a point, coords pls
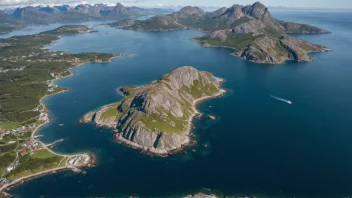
(74, 168)
(188, 132)
(21, 180)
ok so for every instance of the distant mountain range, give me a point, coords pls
(250, 29)
(18, 17)
(8, 22)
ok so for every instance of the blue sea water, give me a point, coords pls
(257, 145)
(35, 29)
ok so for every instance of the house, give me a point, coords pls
(23, 153)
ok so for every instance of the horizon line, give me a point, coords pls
(166, 6)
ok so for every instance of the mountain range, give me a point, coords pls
(82, 12)
(251, 30)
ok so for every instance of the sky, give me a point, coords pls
(347, 4)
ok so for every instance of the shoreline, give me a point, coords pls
(187, 132)
(74, 168)
(21, 180)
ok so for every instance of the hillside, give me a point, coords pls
(157, 117)
(7, 22)
(251, 30)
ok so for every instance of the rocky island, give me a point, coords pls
(157, 117)
(250, 30)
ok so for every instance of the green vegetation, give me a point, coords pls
(7, 138)
(5, 160)
(42, 154)
(8, 147)
(33, 164)
(237, 41)
(26, 66)
(111, 112)
(198, 90)
(157, 123)
(8, 125)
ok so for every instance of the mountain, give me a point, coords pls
(157, 117)
(251, 30)
(82, 12)
(7, 22)
(33, 15)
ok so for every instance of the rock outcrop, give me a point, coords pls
(278, 50)
(157, 117)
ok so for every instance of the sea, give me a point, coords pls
(257, 146)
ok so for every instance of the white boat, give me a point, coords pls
(281, 99)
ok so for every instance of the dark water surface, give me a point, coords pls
(257, 145)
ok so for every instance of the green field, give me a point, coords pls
(41, 154)
(40, 161)
(8, 125)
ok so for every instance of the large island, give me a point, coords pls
(250, 30)
(157, 117)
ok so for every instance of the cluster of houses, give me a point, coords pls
(18, 131)
(32, 145)
(51, 85)
(43, 115)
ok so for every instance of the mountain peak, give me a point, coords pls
(119, 5)
(189, 10)
(258, 5)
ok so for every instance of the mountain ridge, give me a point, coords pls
(81, 12)
(241, 28)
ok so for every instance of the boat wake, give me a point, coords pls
(281, 99)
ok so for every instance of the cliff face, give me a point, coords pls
(157, 117)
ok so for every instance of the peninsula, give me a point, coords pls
(157, 117)
(250, 30)
(27, 72)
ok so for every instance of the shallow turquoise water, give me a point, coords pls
(257, 145)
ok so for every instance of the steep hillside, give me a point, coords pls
(157, 117)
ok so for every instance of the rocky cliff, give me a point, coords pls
(157, 117)
(251, 30)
